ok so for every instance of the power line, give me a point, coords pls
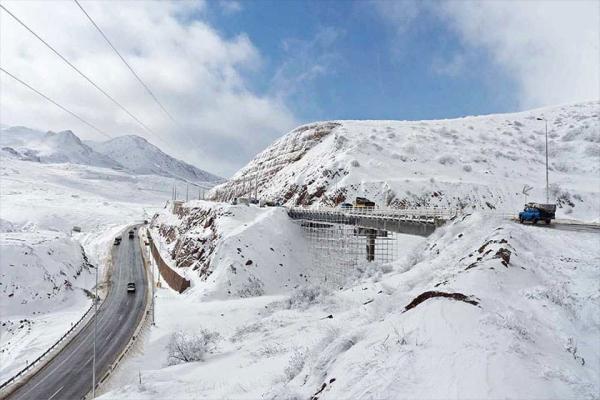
(55, 103)
(126, 63)
(78, 71)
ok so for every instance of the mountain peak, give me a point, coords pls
(138, 155)
(65, 136)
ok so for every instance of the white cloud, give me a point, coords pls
(400, 14)
(551, 48)
(452, 67)
(306, 61)
(196, 73)
(230, 6)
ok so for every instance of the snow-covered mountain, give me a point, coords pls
(131, 153)
(138, 155)
(51, 147)
(474, 162)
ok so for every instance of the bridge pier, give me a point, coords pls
(371, 235)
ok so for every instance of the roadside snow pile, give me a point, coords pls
(475, 163)
(44, 282)
(484, 308)
(228, 250)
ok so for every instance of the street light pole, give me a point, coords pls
(153, 261)
(95, 329)
(547, 190)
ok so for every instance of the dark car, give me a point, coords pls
(131, 287)
(131, 234)
(117, 241)
(345, 206)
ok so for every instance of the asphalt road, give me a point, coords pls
(567, 226)
(69, 374)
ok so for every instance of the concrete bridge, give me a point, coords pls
(372, 224)
(421, 222)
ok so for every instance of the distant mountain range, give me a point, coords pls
(131, 153)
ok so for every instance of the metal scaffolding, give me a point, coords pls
(339, 251)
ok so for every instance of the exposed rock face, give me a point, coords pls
(192, 251)
(285, 152)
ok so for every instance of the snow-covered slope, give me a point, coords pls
(483, 309)
(45, 277)
(43, 271)
(139, 156)
(474, 162)
(234, 251)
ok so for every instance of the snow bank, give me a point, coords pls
(483, 309)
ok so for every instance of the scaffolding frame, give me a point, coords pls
(340, 250)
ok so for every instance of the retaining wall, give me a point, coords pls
(173, 279)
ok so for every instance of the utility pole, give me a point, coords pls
(547, 191)
(187, 191)
(95, 330)
(153, 261)
(256, 186)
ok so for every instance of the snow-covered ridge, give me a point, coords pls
(51, 147)
(130, 153)
(473, 162)
(140, 156)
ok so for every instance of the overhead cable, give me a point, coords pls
(78, 71)
(56, 103)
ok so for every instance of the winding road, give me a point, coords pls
(69, 374)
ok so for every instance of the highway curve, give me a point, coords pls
(69, 374)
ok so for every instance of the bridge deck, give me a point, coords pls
(412, 222)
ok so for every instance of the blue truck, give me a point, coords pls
(534, 212)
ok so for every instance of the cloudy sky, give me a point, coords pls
(235, 75)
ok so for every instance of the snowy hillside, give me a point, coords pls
(473, 163)
(45, 268)
(484, 308)
(139, 156)
(45, 276)
(234, 250)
